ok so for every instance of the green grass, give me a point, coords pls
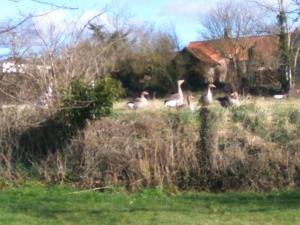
(60, 205)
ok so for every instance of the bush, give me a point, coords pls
(144, 152)
(294, 116)
(239, 114)
(251, 118)
(84, 101)
(243, 148)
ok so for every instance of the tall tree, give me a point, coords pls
(287, 14)
(285, 52)
(233, 18)
(228, 23)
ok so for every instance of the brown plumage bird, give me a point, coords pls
(139, 102)
(189, 105)
(207, 98)
(230, 100)
(175, 99)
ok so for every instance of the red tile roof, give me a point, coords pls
(205, 51)
(213, 51)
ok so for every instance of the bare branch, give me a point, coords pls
(16, 25)
(90, 20)
(52, 4)
(30, 16)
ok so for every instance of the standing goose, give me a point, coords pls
(139, 102)
(230, 100)
(207, 98)
(176, 99)
(189, 104)
(234, 99)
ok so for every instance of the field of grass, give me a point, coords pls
(263, 103)
(259, 144)
(62, 205)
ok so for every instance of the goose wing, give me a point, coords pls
(182, 106)
(138, 100)
(135, 100)
(132, 103)
(137, 103)
(203, 99)
(173, 97)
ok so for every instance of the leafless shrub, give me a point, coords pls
(156, 149)
(140, 153)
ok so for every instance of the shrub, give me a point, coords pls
(294, 116)
(251, 118)
(84, 101)
(239, 114)
(144, 152)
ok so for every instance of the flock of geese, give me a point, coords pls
(178, 100)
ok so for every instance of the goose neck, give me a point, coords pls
(179, 89)
(208, 91)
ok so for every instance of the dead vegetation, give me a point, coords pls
(252, 147)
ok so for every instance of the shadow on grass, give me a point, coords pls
(251, 202)
(107, 205)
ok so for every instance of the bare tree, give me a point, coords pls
(234, 19)
(227, 26)
(27, 17)
(287, 14)
(54, 56)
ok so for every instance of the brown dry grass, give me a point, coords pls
(255, 147)
(137, 153)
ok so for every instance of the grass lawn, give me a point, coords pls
(60, 205)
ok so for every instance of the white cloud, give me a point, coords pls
(191, 9)
(187, 9)
(96, 17)
(55, 22)
(63, 23)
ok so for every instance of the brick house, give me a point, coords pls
(236, 63)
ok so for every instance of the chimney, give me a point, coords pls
(227, 33)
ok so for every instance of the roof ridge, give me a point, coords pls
(211, 51)
(244, 37)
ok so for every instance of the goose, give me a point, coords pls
(175, 99)
(234, 99)
(230, 100)
(279, 96)
(207, 98)
(189, 104)
(139, 102)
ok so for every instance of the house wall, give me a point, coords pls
(234, 76)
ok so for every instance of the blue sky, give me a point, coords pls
(183, 13)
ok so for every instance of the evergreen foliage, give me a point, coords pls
(285, 53)
(85, 101)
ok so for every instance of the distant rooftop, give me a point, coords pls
(212, 51)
